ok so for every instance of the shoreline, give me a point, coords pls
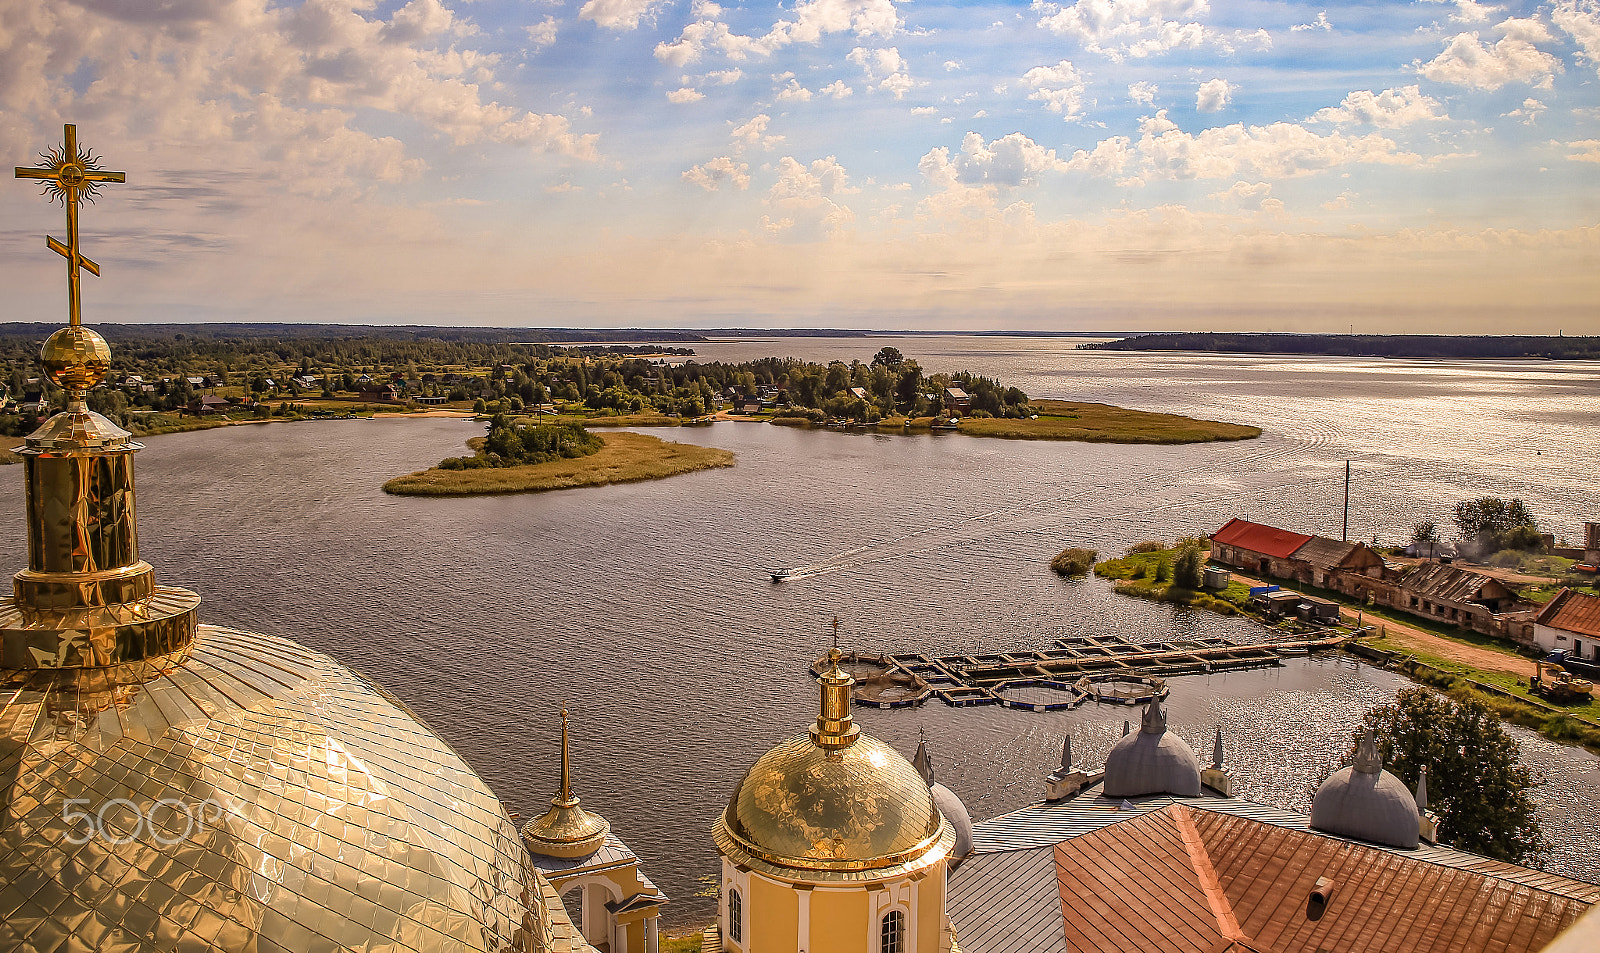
(625, 458)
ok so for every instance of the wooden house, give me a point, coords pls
(1570, 623)
(956, 402)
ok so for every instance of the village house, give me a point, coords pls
(1569, 623)
(860, 392)
(385, 392)
(207, 406)
(956, 402)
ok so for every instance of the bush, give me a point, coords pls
(1073, 562)
(1138, 572)
(1163, 570)
(1148, 546)
(1186, 570)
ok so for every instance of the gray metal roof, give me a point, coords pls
(1008, 901)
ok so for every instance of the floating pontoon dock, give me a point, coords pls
(1073, 671)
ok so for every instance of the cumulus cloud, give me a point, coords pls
(885, 67)
(1529, 112)
(1243, 193)
(1280, 150)
(836, 89)
(1213, 95)
(794, 93)
(543, 33)
(618, 14)
(723, 77)
(1012, 160)
(1580, 19)
(806, 194)
(754, 133)
(1121, 29)
(1390, 109)
(1588, 150)
(1466, 61)
(723, 169)
(1143, 92)
(1470, 11)
(1320, 23)
(923, 111)
(1059, 87)
(813, 20)
(685, 95)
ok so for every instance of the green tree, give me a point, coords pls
(1492, 524)
(1477, 783)
(1425, 531)
(1186, 568)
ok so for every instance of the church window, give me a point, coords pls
(894, 933)
(735, 917)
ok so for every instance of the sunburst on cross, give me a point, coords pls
(70, 176)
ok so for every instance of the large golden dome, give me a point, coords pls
(833, 804)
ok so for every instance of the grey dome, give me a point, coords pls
(1366, 802)
(1152, 760)
(956, 813)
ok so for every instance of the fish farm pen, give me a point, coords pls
(1073, 671)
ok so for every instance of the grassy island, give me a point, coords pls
(1104, 423)
(623, 458)
(1154, 570)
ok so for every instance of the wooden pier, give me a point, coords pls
(1106, 669)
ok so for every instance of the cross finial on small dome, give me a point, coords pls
(1367, 760)
(1216, 750)
(1154, 721)
(923, 761)
(1066, 754)
(1422, 789)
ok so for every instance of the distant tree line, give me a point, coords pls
(1436, 346)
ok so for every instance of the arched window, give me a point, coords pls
(735, 917)
(893, 938)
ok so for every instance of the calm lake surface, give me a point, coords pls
(645, 609)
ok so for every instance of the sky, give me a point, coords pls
(1429, 166)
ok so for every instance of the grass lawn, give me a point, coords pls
(1103, 423)
(1135, 574)
(626, 457)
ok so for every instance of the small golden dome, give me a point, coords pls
(861, 808)
(566, 830)
(76, 358)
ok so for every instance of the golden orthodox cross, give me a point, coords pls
(71, 176)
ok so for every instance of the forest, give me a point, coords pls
(1424, 346)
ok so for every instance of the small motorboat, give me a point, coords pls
(779, 575)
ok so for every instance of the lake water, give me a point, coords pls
(645, 609)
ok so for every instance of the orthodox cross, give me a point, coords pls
(71, 176)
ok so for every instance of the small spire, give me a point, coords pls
(1422, 789)
(1216, 750)
(1066, 755)
(1126, 727)
(1367, 760)
(566, 761)
(1154, 721)
(922, 761)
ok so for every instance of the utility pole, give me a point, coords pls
(1346, 535)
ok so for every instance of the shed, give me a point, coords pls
(1315, 609)
(1215, 577)
(1282, 602)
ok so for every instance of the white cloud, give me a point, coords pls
(1281, 150)
(794, 93)
(1143, 92)
(1059, 87)
(813, 20)
(711, 175)
(1580, 19)
(1470, 11)
(836, 89)
(685, 95)
(724, 77)
(543, 33)
(1339, 202)
(1320, 23)
(1589, 150)
(1390, 109)
(1010, 160)
(754, 133)
(618, 14)
(923, 110)
(1529, 112)
(1213, 95)
(704, 35)
(1243, 193)
(951, 66)
(806, 194)
(1121, 29)
(1467, 62)
(885, 67)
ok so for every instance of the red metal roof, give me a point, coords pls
(1181, 880)
(1266, 540)
(1573, 611)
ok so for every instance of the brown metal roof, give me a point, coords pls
(1573, 611)
(1179, 880)
(1452, 584)
(1325, 553)
(1266, 540)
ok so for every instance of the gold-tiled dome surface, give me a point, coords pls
(860, 808)
(330, 817)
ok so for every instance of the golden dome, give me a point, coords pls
(833, 803)
(76, 358)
